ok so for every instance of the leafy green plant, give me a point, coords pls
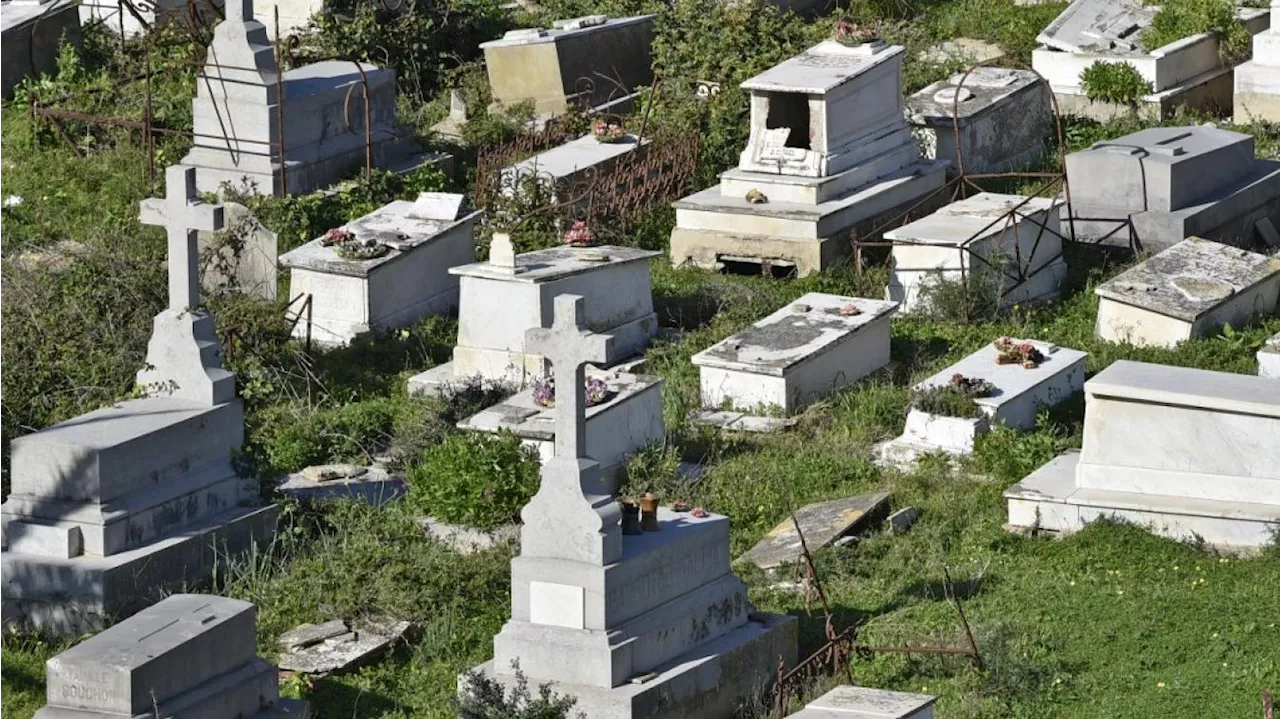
(1178, 19)
(946, 400)
(485, 698)
(976, 298)
(480, 480)
(1118, 82)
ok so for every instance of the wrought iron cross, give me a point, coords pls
(569, 346)
(182, 215)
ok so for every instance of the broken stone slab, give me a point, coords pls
(740, 421)
(336, 645)
(373, 485)
(822, 523)
(964, 49)
(468, 540)
(903, 519)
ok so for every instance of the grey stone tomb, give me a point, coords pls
(653, 625)
(993, 120)
(239, 123)
(1158, 186)
(111, 509)
(191, 655)
(31, 32)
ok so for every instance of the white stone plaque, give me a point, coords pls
(560, 605)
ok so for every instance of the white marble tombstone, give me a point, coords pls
(1257, 82)
(846, 702)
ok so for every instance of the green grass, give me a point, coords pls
(1112, 622)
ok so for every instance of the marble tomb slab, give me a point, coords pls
(797, 355)
(846, 702)
(821, 523)
(1188, 291)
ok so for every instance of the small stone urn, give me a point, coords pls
(649, 513)
(630, 517)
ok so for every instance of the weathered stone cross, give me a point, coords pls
(569, 346)
(182, 215)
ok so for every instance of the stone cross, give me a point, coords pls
(182, 215)
(569, 346)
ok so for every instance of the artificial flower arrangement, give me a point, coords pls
(608, 132)
(851, 33)
(544, 392)
(1024, 353)
(345, 244)
(579, 234)
(972, 386)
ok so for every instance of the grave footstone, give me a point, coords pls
(797, 355)
(308, 132)
(1008, 245)
(406, 275)
(994, 119)
(829, 152)
(188, 655)
(373, 485)
(1188, 72)
(242, 257)
(1257, 82)
(649, 625)
(594, 61)
(1155, 187)
(847, 702)
(143, 494)
(822, 524)
(1190, 454)
(1190, 290)
(31, 35)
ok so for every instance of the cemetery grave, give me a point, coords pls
(1169, 440)
(31, 31)
(1257, 81)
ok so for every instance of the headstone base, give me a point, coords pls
(1049, 499)
(71, 596)
(708, 682)
(712, 228)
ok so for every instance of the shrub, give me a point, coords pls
(1178, 19)
(486, 699)
(1118, 82)
(946, 400)
(481, 480)
(973, 299)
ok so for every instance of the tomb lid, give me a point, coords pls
(157, 654)
(526, 419)
(1190, 279)
(333, 76)
(576, 155)
(18, 14)
(1187, 387)
(393, 224)
(867, 703)
(556, 263)
(973, 218)
(987, 88)
(800, 331)
(1109, 26)
(1170, 145)
(119, 423)
(572, 28)
(1011, 380)
(823, 67)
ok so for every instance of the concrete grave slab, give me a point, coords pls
(498, 304)
(1269, 358)
(1188, 72)
(1155, 187)
(594, 61)
(468, 540)
(190, 654)
(31, 33)
(1189, 453)
(1187, 291)
(846, 702)
(821, 523)
(567, 169)
(373, 485)
(1018, 240)
(1004, 116)
(337, 645)
(628, 421)
(961, 49)
(797, 355)
(413, 280)
(1020, 394)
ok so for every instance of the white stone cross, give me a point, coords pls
(182, 215)
(569, 346)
